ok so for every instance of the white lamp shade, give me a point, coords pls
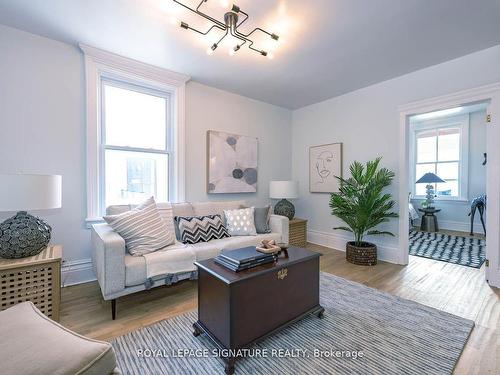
(284, 189)
(23, 192)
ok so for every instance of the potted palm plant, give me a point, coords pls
(362, 205)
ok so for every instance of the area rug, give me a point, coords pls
(364, 331)
(466, 251)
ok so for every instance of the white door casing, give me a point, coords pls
(491, 94)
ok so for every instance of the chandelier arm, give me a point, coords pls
(254, 30)
(206, 32)
(223, 36)
(246, 17)
(202, 14)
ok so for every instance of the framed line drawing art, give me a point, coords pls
(325, 162)
(232, 163)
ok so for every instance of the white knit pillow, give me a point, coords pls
(142, 228)
(240, 222)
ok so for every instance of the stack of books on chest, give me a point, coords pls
(243, 259)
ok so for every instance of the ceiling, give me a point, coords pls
(326, 48)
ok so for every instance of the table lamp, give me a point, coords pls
(25, 235)
(430, 179)
(284, 190)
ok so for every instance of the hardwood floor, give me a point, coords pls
(455, 289)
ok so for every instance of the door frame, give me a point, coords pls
(488, 93)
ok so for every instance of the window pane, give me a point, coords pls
(420, 170)
(426, 147)
(134, 119)
(447, 171)
(132, 177)
(449, 144)
(448, 189)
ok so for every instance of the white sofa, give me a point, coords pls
(120, 273)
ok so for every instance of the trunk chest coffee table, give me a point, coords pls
(237, 309)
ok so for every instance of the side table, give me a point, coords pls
(429, 220)
(298, 232)
(36, 279)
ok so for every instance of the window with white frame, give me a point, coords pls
(441, 147)
(137, 149)
(135, 132)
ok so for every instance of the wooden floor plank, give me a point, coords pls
(452, 288)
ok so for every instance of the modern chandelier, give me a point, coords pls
(230, 26)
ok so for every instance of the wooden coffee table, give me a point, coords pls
(237, 309)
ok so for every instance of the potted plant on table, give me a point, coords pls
(362, 205)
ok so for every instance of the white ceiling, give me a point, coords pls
(327, 47)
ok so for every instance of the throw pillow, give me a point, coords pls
(240, 222)
(262, 216)
(142, 228)
(194, 229)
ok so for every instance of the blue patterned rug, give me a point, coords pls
(364, 332)
(466, 251)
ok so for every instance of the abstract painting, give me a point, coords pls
(325, 162)
(232, 163)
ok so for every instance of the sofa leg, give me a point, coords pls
(113, 309)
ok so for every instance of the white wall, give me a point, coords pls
(367, 122)
(42, 130)
(453, 215)
(212, 109)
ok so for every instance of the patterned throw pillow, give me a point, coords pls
(142, 228)
(240, 222)
(194, 229)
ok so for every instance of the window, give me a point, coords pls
(136, 142)
(441, 147)
(135, 132)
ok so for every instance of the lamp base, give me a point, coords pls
(285, 208)
(23, 235)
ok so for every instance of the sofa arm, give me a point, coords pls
(108, 259)
(279, 224)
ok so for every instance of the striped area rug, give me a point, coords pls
(364, 331)
(466, 251)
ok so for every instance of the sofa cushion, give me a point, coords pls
(207, 250)
(33, 344)
(216, 207)
(244, 241)
(135, 270)
(142, 228)
(183, 209)
(240, 222)
(196, 229)
(262, 215)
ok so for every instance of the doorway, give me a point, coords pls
(489, 97)
(447, 185)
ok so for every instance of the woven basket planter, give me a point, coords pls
(361, 255)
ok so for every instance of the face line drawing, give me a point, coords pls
(323, 161)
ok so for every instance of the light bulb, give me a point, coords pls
(224, 3)
(210, 51)
(174, 21)
(270, 56)
(231, 52)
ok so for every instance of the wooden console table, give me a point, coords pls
(36, 279)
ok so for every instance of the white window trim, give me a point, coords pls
(98, 64)
(462, 122)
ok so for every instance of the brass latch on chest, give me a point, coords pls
(282, 273)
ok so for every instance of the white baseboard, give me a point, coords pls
(337, 241)
(77, 272)
(458, 226)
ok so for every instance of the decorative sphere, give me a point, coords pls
(23, 235)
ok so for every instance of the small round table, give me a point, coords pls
(429, 220)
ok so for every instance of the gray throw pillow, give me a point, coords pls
(262, 216)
